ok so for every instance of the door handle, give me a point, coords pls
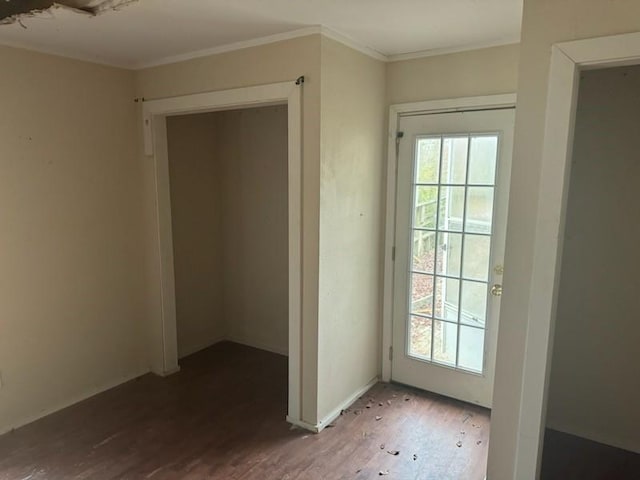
(496, 290)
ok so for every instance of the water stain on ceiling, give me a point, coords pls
(12, 11)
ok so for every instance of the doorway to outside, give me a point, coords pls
(447, 203)
(285, 97)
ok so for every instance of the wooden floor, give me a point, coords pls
(222, 417)
(566, 456)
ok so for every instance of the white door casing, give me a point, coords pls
(164, 353)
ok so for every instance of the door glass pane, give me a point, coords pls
(445, 338)
(471, 347)
(454, 160)
(420, 337)
(423, 250)
(422, 294)
(426, 207)
(453, 196)
(427, 160)
(449, 253)
(477, 250)
(447, 298)
(474, 303)
(451, 208)
(483, 155)
(479, 210)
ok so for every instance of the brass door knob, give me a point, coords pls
(496, 290)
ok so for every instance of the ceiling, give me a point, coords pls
(149, 32)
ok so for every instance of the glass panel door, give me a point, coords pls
(453, 174)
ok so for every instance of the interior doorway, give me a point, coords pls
(228, 184)
(163, 334)
(596, 329)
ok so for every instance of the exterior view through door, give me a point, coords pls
(451, 208)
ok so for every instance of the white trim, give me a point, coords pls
(352, 43)
(77, 399)
(328, 419)
(335, 413)
(259, 345)
(566, 61)
(256, 42)
(400, 57)
(231, 47)
(396, 111)
(46, 50)
(200, 346)
(155, 132)
(266, 40)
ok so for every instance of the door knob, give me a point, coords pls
(496, 290)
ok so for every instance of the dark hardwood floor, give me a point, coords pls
(567, 457)
(222, 417)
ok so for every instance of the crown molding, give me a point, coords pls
(230, 47)
(353, 44)
(447, 50)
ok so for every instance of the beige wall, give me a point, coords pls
(595, 366)
(485, 71)
(276, 62)
(352, 164)
(229, 213)
(196, 217)
(253, 151)
(544, 22)
(72, 288)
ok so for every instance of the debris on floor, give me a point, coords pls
(378, 418)
(459, 444)
(383, 472)
(393, 452)
(415, 457)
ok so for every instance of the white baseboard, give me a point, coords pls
(302, 424)
(76, 399)
(322, 424)
(261, 346)
(190, 350)
(598, 437)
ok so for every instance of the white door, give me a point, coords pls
(451, 211)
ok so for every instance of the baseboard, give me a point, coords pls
(302, 424)
(597, 437)
(258, 345)
(328, 419)
(77, 399)
(200, 346)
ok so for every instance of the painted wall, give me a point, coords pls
(229, 212)
(352, 162)
(594, 365)
(486, 71)
(72, 287)
(253, 151)
(276, 62)
(196, 217)
(545, 22)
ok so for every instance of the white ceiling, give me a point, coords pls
(148, 32)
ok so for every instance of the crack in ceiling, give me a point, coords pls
(12, 11)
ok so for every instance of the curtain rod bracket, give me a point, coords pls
(300, 80)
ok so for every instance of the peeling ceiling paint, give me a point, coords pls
(12, 11)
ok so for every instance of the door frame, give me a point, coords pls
(395, 111)
(567, 60)
(164, 352)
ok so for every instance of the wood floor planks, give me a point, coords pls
(222, 417)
